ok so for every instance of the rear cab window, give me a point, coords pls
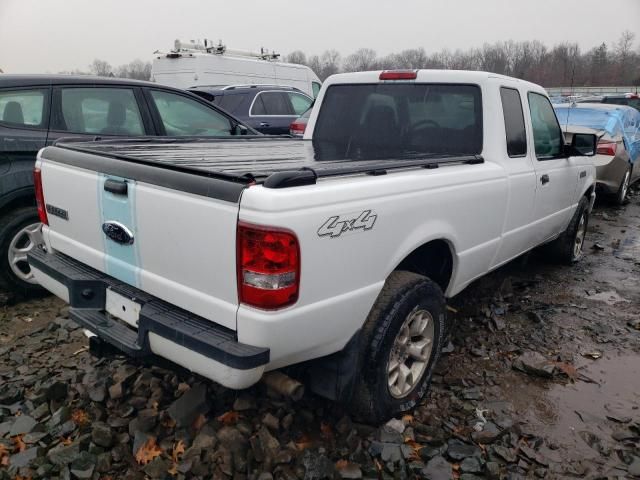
(99, 110)
(374, 121)
(516, 135)
(23, 108)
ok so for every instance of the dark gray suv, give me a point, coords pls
(270, 109)
(36, 110)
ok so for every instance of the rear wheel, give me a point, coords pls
(621, 196)
(403, 338)
(19, 234)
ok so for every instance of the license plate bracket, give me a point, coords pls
(122, 307)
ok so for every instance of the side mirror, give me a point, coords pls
(240, 130)
(582, 145)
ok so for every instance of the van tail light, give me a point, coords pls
(268, 266)
(296, 129)
(42, 211)
(399, 75)
(606, 148)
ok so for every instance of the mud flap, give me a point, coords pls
(334, 377)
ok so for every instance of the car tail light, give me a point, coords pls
(399, 75)
(297, 129)
(268, 265)
(42, 211)
(606, 148)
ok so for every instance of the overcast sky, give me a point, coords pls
(54, 35)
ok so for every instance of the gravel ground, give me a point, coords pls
(540, 380)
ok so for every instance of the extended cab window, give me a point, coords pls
(182, 116)
(105, 111)
(22, 108)
(547, 136)
(513, 122)
(369, 121)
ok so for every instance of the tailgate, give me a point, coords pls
(129, 221)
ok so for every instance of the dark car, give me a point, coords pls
(270, 109)
(36, 110)
(628, 99)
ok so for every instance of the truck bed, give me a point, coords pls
(275, 162)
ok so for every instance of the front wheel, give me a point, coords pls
(568, 247)
(20, 232)
(403, 337)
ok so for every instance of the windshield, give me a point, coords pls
(591, 118)
(375, 121)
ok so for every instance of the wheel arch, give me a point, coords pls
(434, 259)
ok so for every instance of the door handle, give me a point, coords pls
(544, 179)
(264, 124)
(117, 187)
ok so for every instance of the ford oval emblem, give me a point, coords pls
(117, 232)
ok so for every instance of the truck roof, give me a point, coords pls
(437, 76)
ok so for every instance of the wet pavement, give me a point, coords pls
(541, 379)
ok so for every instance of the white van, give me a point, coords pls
(194, 64)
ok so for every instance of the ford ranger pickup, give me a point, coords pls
(335, 252)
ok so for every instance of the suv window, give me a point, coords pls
(300, 103)
(547, 136)
(22, 107)
(184, 116)
(513, 122)
(106, 111)
(367, 121)
(229, 102)
(271, 103)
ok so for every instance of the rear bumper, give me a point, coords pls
(162, 329)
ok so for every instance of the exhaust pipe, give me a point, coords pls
(284, 385)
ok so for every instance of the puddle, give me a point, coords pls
(565, 412)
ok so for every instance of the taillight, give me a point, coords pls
(268, 264)
(42, 211)
(399, 75)
(606, 148)
(297, 129)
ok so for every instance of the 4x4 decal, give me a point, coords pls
(339, 224)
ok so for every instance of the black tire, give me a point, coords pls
(10, 225)
(621, 195)
(403, 294)
(563, 249)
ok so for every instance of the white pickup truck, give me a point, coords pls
(232, 257)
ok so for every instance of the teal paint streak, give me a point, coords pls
(121, 261)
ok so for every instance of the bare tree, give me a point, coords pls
(297, 57)
(361, 60)
(101, 68)
(136, 69)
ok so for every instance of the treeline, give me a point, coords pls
(616, 63)
(136, 69)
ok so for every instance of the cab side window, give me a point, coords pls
(547, 135)
(22, 108)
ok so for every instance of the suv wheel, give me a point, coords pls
(19, 234)
(402, 341)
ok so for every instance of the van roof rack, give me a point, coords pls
(256, 85)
